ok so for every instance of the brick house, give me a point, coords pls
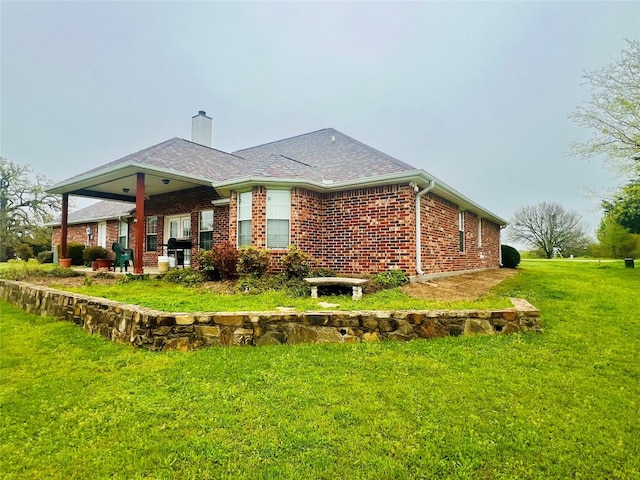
(353, 208)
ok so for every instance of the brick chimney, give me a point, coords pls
(201, 129)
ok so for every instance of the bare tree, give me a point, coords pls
(549, 227)
(24, 204)
(613, 112)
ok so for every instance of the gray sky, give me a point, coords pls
(475, 93)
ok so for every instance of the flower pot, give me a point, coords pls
(64, 262)
(104, 263)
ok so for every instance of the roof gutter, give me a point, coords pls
(419, 195)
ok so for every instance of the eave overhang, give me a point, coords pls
(418, 177)
(119, 182)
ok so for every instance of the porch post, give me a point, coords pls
(140, 225)
(64, 226)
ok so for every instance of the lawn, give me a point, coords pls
(564, 404)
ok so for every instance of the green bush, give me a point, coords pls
(510, 256)
(45, 257)
(253, 261)
(74, 252)
(323, 272)
(392, 278)
(129, 277)
(24, 251)
(58, 272)
(185, 276)
(296, 263)
(386, 280)
(254, 285)
(219, 262)
(91, 254)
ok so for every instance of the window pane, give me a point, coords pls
(206, 240)
(206, 220)
(277, 233)
(244, 206)
(244, 233)
(186, 227)
(152, 225)
(278, 204)
(152, 243)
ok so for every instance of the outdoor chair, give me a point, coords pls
(123, 257)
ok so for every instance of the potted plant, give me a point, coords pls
(97, 257)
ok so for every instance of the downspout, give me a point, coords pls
(500, 244)
(419, 195)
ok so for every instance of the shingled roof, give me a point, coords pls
(324, 155)
(181, 157)
(325, 159)
(99, 211)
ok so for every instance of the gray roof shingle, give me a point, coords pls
(326, 154)
(182, 157)
(103, 210)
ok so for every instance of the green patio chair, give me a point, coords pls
(122, 257)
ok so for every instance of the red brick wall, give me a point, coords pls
(370, 230)
(77, 233)
(188, 203)
(353, 232)
(441, 241)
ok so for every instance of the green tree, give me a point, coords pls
(615, 241)
(24, 205)
(624, 207)
(549, 227)
(613, 112)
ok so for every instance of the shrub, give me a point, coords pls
(185, 276)
(510, 256)
(392, 278)
(74, 252)
(93, 253)
(45, 257)
(253, 285)
(128, 278)
(386, 280)
(296, 263)
(24, 251)
(323, 272)
(253, 261)
(219, 262)
(58, 272)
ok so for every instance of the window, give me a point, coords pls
(461, 228)
(479, 232)
(206, 230)
(244, 219)
(123, 234)
(152, 234)
(278, 215)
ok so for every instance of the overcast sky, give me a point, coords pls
(475, 93)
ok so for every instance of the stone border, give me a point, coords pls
(157, 330)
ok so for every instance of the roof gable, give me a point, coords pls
(181, 157)
(329, 155)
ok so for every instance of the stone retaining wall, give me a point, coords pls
(156, 330)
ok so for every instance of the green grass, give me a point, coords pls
(171, 297)
(564, 404)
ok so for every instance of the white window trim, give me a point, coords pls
(125, 224)
(200, 230)
(288, 219)
(242, 219)
(461, 231)
(147, 234)
(479, 232)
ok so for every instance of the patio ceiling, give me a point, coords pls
(120, 184)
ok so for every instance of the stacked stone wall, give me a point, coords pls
(156, 330)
